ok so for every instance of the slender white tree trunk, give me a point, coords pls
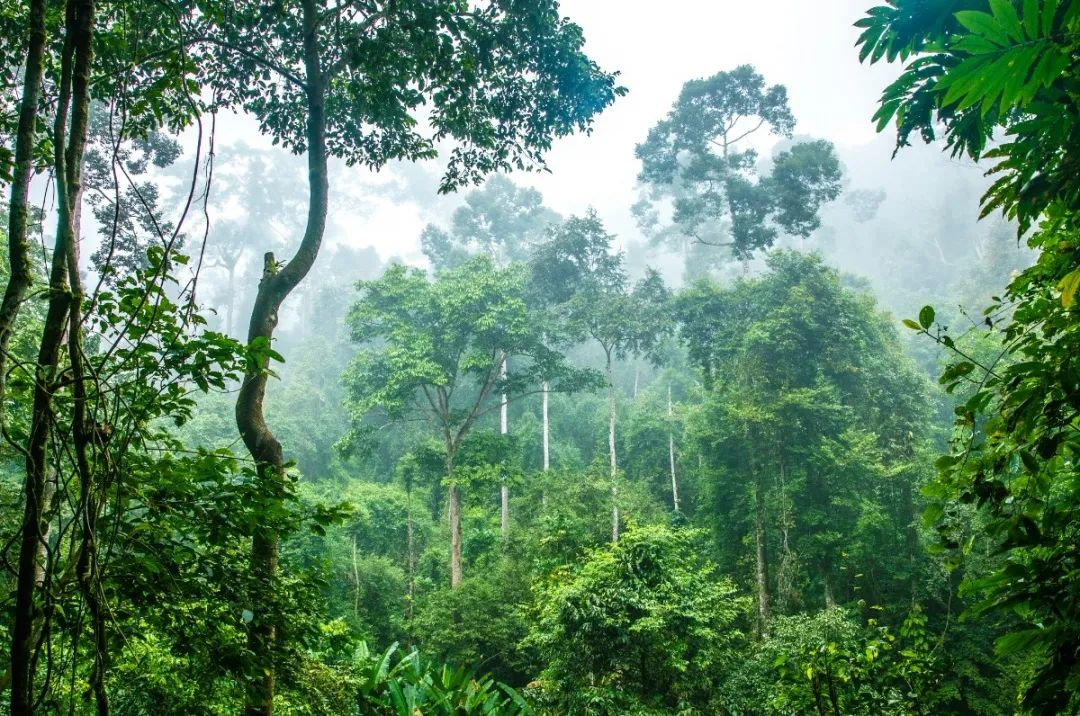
(455, 538)
(671, 451)
(611, 453)
(454, 516)
(547, 427)
(356, 580)
(410, 556)
(504, 489)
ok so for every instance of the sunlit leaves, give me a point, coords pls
(864, 668)
(1068, 286)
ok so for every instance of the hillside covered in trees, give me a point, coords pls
(338, 376)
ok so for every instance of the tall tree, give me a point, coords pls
(502, 80)
(700, 159)
(806, 437)
(577, 272)
(93, 51)
(69, 137)
(503, 221)
(445, 343)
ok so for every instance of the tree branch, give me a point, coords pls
(268, 64)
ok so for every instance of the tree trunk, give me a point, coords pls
(68, 148)
(504, 489)
(276, 284)
(671, 451)
(453, 508)
(611, 452)
(32, 545)
(39, 565)
(87, 568)
(20, 277)
(410, 556)
(547, 427)
(761, 566)
(356, 581)
(455, 538)
(230, 325)
(786, 592)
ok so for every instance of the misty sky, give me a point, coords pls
(807, 46)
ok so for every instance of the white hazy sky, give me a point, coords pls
(806, 45)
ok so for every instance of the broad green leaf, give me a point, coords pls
(1068, 287)
(985, 25)
(926, 316)
(1021, 641)
(1005, 14)
(1031, 18)
(1049, 14)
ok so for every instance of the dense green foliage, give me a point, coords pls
(641, 625)
(700, 157)
(1001, 65)
(535, 476)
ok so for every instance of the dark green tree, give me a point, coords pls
(808, 431)
(642, 626)
(582, 278)
(440, 353)
(699, 159)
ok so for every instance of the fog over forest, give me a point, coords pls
(436, 357)
(832, 97)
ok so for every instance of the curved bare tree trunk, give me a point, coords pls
(276, 284)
